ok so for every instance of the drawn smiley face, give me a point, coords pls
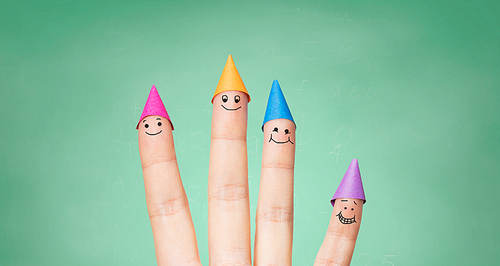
(276, 132)
(231, 100)
(281, 131)
(153, 125)
(349, 208)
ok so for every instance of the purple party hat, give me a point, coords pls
(351, 185)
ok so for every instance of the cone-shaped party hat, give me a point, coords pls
(351, 185)
(276, 105)
(230, 79)
(154, 106)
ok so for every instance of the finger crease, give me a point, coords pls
(236, 256)
(326, 262)
(230, 138)
(336, 234)
(159, 160)
(276, 214)
(168, 208)
(278, 166)
(230, 192)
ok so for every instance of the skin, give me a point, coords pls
(228, 197)
(274, 219)
(168, 208)
(340, 240)
(228, 200)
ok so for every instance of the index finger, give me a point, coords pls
(168, 207)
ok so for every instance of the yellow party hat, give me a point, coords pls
(230, 79)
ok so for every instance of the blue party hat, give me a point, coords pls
(276, 105)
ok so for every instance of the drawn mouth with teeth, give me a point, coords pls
(344, 220)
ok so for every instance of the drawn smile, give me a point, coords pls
(154, 133)
(229, 109)
(280, 142)
(344, 220)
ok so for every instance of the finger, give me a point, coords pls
(348, 200)
(228, 201)
(340, 239)
(168, 208)
(274, 219)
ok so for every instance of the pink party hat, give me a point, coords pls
(154, 106)
(351, 185)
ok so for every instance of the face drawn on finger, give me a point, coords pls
(153, 125)
(349, 208)
(231, 100)
(284, 134)
(280, 132)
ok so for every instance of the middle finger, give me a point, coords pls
(228, 198)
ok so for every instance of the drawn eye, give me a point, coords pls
(224, 98)
(345, 208)
(275, 130)
(159, 124)
(287, 131)
(352, 209)
(146, 125)
(237, 99)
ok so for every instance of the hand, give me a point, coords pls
(228, 197)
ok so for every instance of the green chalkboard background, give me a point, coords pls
(409, 89)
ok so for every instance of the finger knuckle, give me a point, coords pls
(230, 192)
(276, 214)
(168, 208)
(326, 262)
